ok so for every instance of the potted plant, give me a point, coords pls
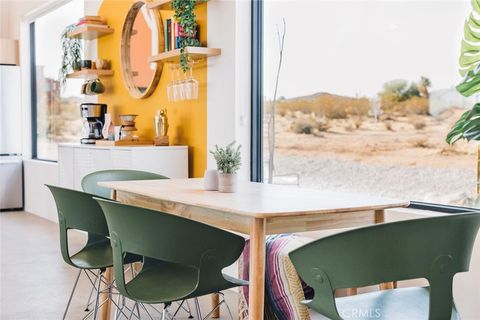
(71, 54)
(228, 162)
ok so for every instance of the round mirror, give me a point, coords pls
(141, 39)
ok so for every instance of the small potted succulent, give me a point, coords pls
(228, 162)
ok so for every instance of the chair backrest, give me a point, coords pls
(434, 248)
(169, 238)
(77, 210)
(89, 182)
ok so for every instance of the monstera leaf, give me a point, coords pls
(467, 127)
(470, 53)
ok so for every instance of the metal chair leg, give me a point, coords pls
(89, 301)
(71, 294)
(197, 308)
(228, 308)
(189, 310)
(95, 311)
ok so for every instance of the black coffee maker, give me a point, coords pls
(94, 115)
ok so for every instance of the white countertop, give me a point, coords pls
(90, 146)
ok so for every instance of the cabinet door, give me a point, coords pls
(170, 162)
(88, 161)
(121, 159)
(66, 167)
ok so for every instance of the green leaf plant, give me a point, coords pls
(468, 126)
(71, 55)
(228, 159)
(185, 16)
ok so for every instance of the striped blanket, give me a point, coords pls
(284, 289)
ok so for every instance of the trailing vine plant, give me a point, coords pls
(71, 55)
(185, 16)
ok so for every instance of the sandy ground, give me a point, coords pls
(402, 157)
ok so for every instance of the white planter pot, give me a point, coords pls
(227, 182)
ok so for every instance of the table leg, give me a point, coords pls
(256, 295)
(215, 300)
(256, 292)
(380, 218)
(107, 306)
(105, 309)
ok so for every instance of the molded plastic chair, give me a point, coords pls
(77, 210)
(433, 248)
(184, 258)
(90, 181)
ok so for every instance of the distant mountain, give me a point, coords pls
(316, 96)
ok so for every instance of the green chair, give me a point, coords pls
(90, 181)
(432, 248)
(183, 258)
(77, 210)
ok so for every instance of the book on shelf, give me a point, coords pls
(174, 33)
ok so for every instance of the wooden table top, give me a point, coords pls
(256, 200)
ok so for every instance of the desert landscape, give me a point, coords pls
(339, 143)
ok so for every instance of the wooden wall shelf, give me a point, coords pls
(90, 73)
(165, 4)
(196, 53)
(89, 32)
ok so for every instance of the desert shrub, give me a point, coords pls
(388, 125)
(326, 105)
(399, 90)
(414, 105)
(419, 124)
(420, 143)
(310, 125)
(304, 126)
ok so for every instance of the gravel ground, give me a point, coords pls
(410, 183)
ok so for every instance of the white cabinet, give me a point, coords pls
(76, 161)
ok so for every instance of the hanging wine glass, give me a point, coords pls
(192, 84)
(170, 87)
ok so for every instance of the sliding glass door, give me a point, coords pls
(359, 96)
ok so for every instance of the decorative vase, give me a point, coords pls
(210, 180)
(227, 182)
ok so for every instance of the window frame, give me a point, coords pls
(33, 93)
(257, 107)
(256, 143)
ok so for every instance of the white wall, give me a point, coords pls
(228, 100)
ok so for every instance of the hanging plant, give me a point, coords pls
(71, 55)
(185, 16)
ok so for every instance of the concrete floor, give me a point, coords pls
(34, 280)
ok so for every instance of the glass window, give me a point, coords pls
(57, 110)
(364, 101)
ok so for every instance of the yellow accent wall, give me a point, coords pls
(188, 119)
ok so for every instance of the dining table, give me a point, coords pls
(255, 210)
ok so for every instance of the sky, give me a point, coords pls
(353, 47)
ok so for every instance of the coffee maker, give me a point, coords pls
(94, 115)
